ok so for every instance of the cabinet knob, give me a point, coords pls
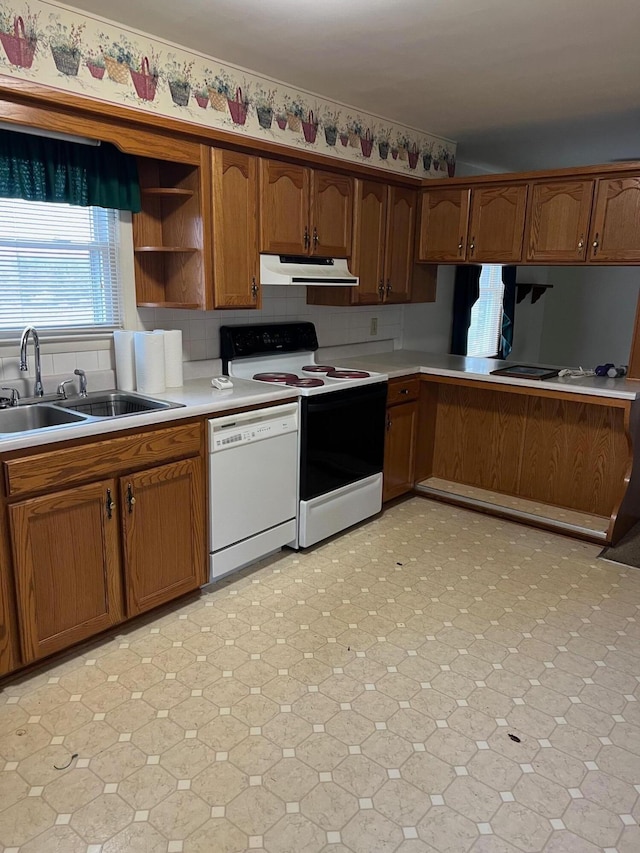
(306, 238)
(472, 246)
(110, 504)
(404, 390)
(595, 245)
(389, 288)
(130, 498)
(580, 244)
(381, 289)
(316, 239)
(388, 423)
(461, 246)
(254, 288)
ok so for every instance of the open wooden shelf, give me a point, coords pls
(168, 236)
(167, 192)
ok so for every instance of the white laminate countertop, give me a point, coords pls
(197, 395)
(404, 362)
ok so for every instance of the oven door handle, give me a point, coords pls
(313, 405)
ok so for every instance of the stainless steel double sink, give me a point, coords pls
(97, 405)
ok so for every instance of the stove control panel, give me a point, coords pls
(265, 339)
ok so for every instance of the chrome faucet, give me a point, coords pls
(38, 390)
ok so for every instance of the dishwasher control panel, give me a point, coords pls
(248, 427)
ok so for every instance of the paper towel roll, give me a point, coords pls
(125, 359)
(172, 358)
(149, 349)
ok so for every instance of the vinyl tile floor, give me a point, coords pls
(434, 680)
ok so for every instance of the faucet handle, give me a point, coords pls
(83, 381)
(15, 395)
(62, 391)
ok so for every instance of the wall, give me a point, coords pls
(589, 315)
(427, 327)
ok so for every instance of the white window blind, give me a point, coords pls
(59, 268)
(486, 315)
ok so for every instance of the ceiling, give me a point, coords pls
(463, 69)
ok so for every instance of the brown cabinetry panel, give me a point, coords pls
(331, 214)
(615, 229)
(575, 454)
(235, 229)
(284, 208)
(496, 227)
(70, 465)
(478, 436)
(398, 265)
(164, 533)
(399, 450)
(403, 390)
(67, 567)
(559, 221)
(370, 224)
(444, 219)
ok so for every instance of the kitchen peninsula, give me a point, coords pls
(559, 453)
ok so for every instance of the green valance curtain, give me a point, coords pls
(39, 168)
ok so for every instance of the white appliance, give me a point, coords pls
(253, 486)
(294, 269)
(342, 423)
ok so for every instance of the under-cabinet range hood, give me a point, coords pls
(299, 269)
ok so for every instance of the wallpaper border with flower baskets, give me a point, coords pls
(70, 50)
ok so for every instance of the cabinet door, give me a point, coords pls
(497, 224)
(559, 221)
(164, 533)
(399, 450)
(444, 220)
(235, 230)
(370, 219)
(401, 223)
(331, 215)
(615, 235)
(67, 567)
(284, 208)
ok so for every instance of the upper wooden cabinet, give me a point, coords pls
(444, 225)
(236, 260)
(476, 225)
(559, 214)
(586, 215)
(383, 241)
(615, 224)
(496, 225)
(304, 211)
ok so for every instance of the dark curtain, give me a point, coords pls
(39, 168)
(465, 293)
(508, 310)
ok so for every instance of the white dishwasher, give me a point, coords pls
(253, 486)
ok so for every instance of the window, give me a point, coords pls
(59, 268)
(486, 314)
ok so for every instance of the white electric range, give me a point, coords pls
(342, 422)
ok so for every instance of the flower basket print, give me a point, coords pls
(310, 128)
(413, 153)
(295, 113)
(366, 143)
(427, 157)
(145, 81)
(383, 143)
(19, 40)
(118, 58)
(95, 64)
(178, 75)
(238, 107)
(281, 121)
(263, 102)
(220, 91)
(65, 43)
(330, 125)
(344, 138)
(201, 95)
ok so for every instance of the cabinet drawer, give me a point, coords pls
(71, 465)
(403, 390)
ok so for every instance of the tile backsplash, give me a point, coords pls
(200, 332)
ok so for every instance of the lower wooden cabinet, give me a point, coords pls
(66, 553)
(163, 533)
(88, 555)
(400, 440)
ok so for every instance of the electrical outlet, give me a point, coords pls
(374, 326)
